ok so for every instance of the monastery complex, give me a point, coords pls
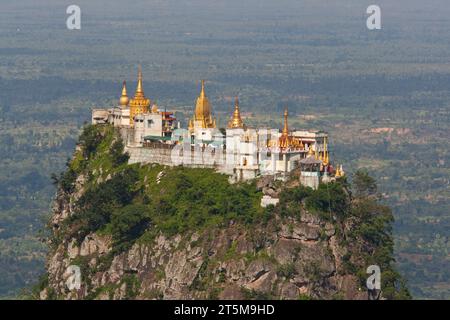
(154, 136)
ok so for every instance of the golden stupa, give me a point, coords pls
(236, 120)
(124, 100)
(155, 108)
(202, 116)
(139, 104)
(286, 140)
(325, 158)
(339, 171)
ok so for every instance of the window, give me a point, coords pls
(150, 123)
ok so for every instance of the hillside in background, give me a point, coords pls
(383, 96)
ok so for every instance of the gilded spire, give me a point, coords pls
(124, 100)
(203, 110)
(202, 92)
(139, 104)
(339, 171)
(236, 121)
(285, 128)
(337, 174)
(139, 88)
(325, 159)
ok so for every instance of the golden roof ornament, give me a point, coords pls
(337, 174)
(139, 104)
(202, 91)
(285, 128)
(139, 89)
(203, 110)
(124, 100)
(236, 121)
(286, 140)
(325, 159)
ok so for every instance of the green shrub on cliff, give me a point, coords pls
(97, 204)
(369, 239)
(329, 199)
(90, 139)
(128, 224)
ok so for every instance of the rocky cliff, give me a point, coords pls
(153, 232)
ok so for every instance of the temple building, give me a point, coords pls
(240, 151)
(139, 104)
(136, 117)
(202, 116)
(236, 121)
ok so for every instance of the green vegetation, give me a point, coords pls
(370, 236)
(128, 203)
(329, 199)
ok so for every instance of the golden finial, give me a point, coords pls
(236, 121)
(139, 88)
(124, 100)
(139, 104)
(337, 174)
(285, 128)
(326, 159)
(203, 110)
(311, 151)
(342, 171)
(325, 152)
(202, 92)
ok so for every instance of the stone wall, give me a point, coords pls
(175, 156)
